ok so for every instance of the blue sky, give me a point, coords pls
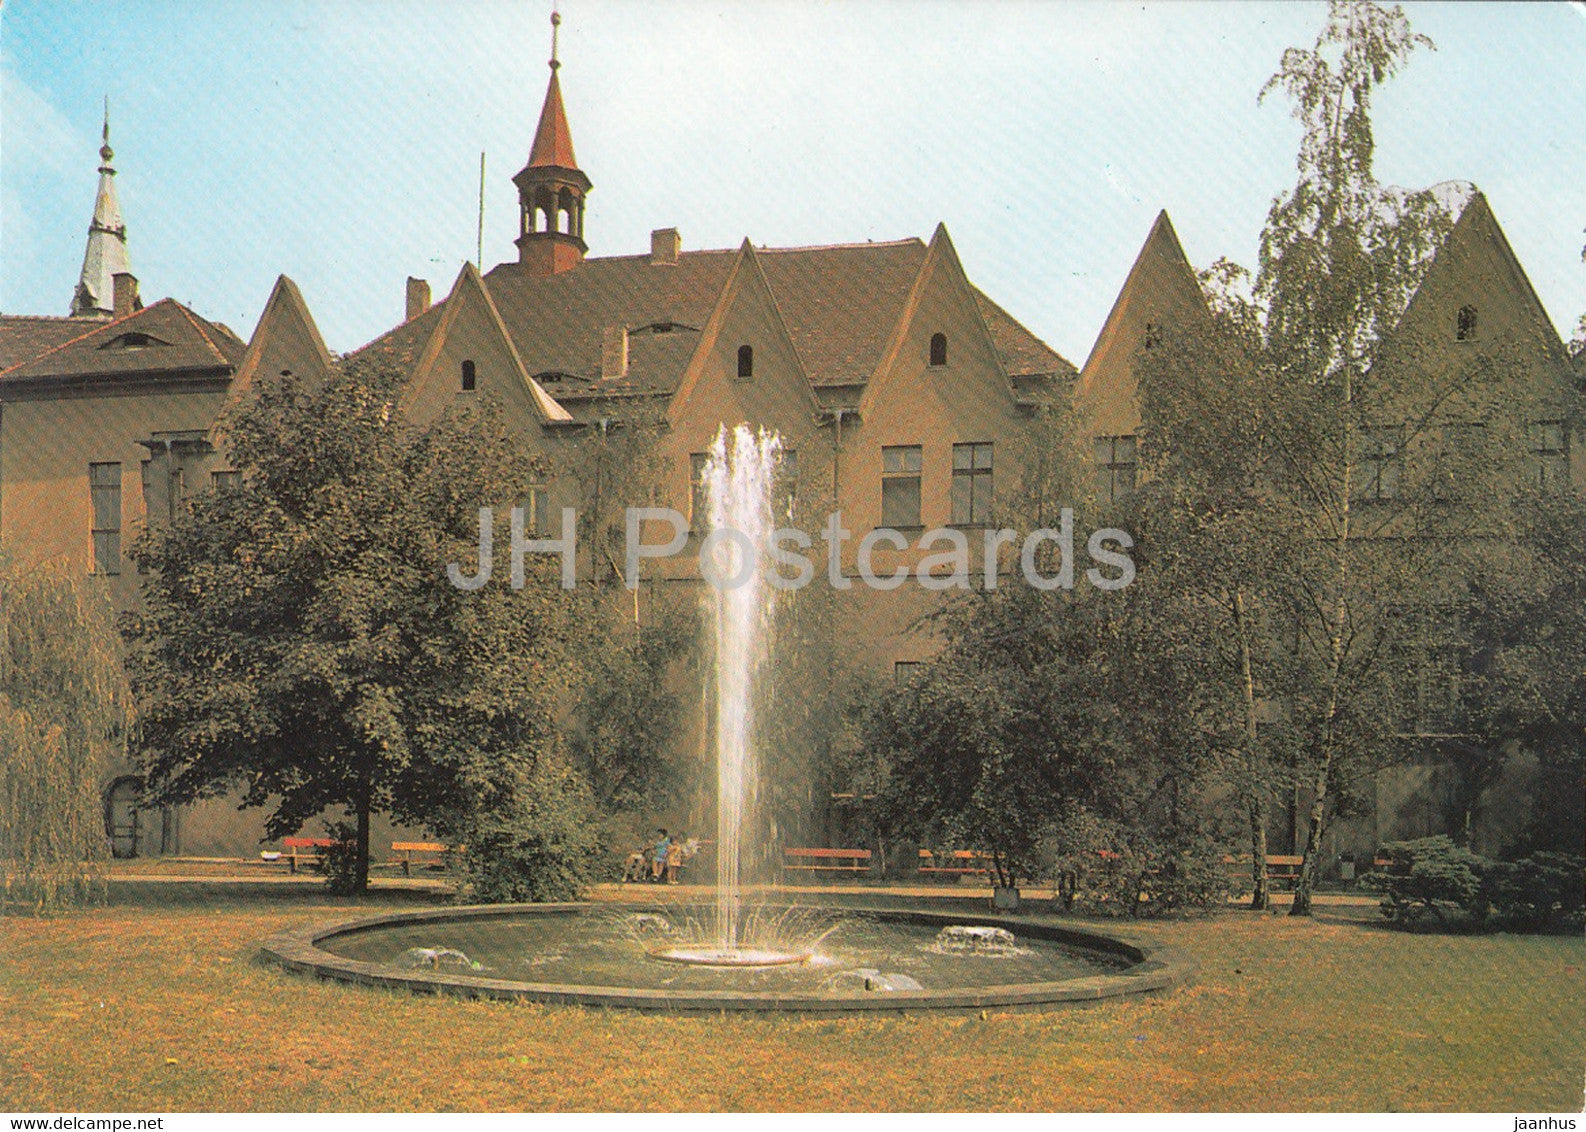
(338, 141)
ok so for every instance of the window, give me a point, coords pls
(784, 492)
(1465, 327)
(971, 484)
(469, 378)
(900, 486)
(698, 505)
(536, 514)
(1379, 466)
(1550, 455)
(104, 488)
(1152, 337)
(745, 361)
(1117, 460)
(938, 349)
(1463, 457)
(226, 481)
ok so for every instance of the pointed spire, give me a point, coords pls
(106, 254)
(553, 141)
(551, 187)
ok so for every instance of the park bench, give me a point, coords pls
(429, 853)
(1281, 868)
(308, 850)
(826, 860)
(956, 863)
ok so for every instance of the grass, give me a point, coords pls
(157, 1003)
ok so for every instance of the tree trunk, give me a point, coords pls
(1324, 767)
(1255, 791)
(361, 879)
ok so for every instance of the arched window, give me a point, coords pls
(938, 349)
(469, 378)
(745, 361)
(1466, 329)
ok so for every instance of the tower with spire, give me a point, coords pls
(106, 254)
(551, 187)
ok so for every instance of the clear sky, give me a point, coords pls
(338, 141)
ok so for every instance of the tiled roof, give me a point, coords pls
(176, 341)
(1023, 354)
(840, 304)
(25, 336)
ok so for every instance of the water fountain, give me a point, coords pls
(732, 956)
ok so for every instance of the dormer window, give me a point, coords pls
(1465, 327)
(470, 378)
(745, 361)
(938, 349)
(133, 340)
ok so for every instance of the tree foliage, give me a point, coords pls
(301, 640)
(64, 716)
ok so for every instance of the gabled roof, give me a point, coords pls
(286, 337)
(839, 304)
(469, 290)
(748, 274)
(1475, 225)
(164, 340)
(25, 336)
(1160, 279)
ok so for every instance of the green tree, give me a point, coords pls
(64, 716)
(301, 640)
(1039, 705)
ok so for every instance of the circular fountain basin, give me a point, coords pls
(830, 981)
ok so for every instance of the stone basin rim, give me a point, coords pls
(1153, 969)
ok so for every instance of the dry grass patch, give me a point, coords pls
(160, 1004)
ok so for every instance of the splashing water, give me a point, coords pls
(738, 477)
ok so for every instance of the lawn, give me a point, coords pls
(157, 1003)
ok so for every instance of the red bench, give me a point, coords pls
(957, 863)
(310, 850)
(827, 860)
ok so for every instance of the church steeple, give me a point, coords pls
(551, 187)
(106, 254)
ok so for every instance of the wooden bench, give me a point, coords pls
(958, 863)
(425, 852)
(309, 850)
(1281, 868)
(826, 860)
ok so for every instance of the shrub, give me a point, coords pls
(541, 848)
(339, 863)
(1107, 868)
(1429, 875)
(1540, 892)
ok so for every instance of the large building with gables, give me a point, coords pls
(906, 399)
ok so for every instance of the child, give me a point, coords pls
(663, 846)
(676, 857)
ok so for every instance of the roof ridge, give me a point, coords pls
(898, 243)
(86, 334)
(202, 333)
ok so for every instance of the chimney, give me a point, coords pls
(418, 297)
(665, 245)
(124, 288)
(614, 352)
